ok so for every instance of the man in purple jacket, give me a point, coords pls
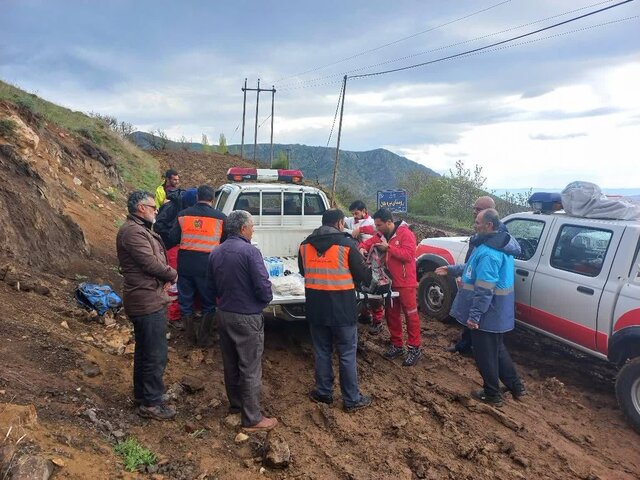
(237, 277)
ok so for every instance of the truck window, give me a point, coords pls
(249, 202)
(293, 203)
(580, 249)
(527, 233)
(222, 199)
(313, 204)
(271, 203)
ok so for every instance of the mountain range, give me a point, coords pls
(360, 174)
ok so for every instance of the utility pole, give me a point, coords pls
(244, 112)
(255, 132)
(335, 167)
(244, 108)
(273, 95)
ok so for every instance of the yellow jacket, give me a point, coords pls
(161, 196)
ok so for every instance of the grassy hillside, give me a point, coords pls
(360, 174)
(137, 168)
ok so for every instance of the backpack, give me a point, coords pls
(100, 298)
(380, 278)
(167, 215)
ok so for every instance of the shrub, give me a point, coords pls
(7, 128)
(133, 454)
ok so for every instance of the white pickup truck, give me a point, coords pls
(577, 280)
(284, 211)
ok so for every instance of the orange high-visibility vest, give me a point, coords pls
(329, 271)
(200, 234)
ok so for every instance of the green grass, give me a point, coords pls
(138, 169)
(133, 454)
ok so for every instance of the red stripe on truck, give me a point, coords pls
(628, 319)
(424, 249)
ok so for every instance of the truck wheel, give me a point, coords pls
(435, 296)
(628, 392)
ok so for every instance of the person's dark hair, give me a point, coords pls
(137, 197)
(384, 215)
(170, 173)
(206, 193)
(235, 220)
(330, 217)
(490, 215)
(357, 205)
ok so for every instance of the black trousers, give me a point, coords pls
(242, 345)
(150, 357)
(494, 362)
(464, 344)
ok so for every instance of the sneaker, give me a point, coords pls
(517, 393)
(316, 397)
(375, 328)
(157, 412)
(393, 352)
(263, 425)
(413, 355)
(365, 401)
(481, 396)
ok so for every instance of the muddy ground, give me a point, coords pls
(422, 423)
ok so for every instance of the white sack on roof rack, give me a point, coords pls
(585, 199)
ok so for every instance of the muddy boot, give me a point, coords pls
(191, 326)
(205, 330)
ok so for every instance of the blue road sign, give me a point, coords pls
(394, 200)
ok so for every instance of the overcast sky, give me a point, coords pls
(536, 114)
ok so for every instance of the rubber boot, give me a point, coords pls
(203, 334)
(191, 326)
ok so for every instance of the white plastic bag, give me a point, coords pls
(585, 199)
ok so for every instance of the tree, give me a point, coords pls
(222, 144)
(205, 144)
(159, 140)
(282, 161)
(184, 143)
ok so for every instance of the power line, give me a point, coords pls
(555, 25)
(457, 44)
(395, 41)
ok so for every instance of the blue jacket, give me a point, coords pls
(236, 275)
(486, 295)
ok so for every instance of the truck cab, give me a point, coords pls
(577, 280)
(284, 211)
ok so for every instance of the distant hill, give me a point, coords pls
(360, 174)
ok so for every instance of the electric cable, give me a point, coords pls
(457, 44)
(395, 41)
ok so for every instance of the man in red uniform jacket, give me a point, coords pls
(399, 242)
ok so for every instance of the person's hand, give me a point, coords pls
(472, 325)
(441, 271)
(355, 232)
(363, 252)
(167, 286)
(383, 245)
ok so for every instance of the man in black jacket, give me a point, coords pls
(199, 230)
(332, 267)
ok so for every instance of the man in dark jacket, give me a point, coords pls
(463, 346)
(239, 280)
(199, 230)
(147, 276)
(332, 267)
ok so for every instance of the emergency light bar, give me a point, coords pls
(239, 174)
(545, 202)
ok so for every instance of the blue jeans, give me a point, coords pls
(345, 339)
(188, 287)
(150, 357)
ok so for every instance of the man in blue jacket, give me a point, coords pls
(485, 304)
(237, 277)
